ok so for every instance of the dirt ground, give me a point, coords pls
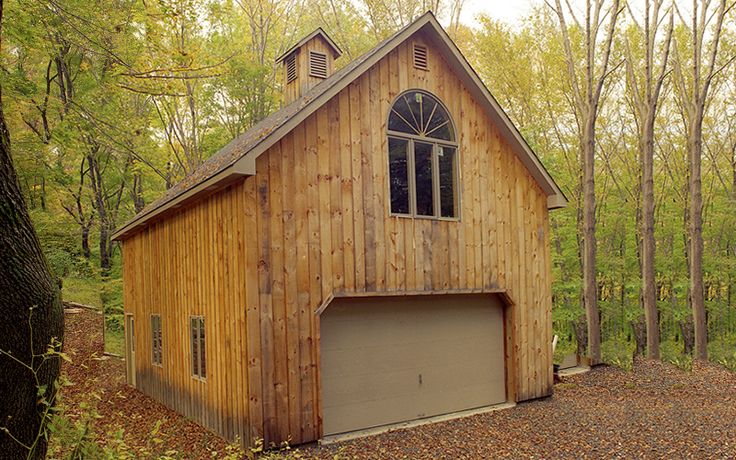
(149, 429)
(654, 411)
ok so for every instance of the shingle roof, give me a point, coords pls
(259, 137)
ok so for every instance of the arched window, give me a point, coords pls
(422, 155)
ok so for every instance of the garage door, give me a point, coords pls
(387, 360)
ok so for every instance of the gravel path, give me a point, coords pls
(654, 411)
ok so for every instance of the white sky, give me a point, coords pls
(509, 11)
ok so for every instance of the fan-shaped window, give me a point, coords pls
(422, 152)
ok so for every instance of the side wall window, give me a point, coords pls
(422, 157)
(199, 366)
(156, 340)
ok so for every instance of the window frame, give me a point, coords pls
(200, 325)
(411, 165)
(160, 362)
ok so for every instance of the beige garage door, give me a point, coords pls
(388, 360)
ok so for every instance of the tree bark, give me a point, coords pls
(697, 294)
(586, 87)
(590, 282)
(693, 94)
(32, 318)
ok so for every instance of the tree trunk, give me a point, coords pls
(640, 336)
(590, 284)
(85, 242)
(688, 339)
(648, 281)
(581, 335)
(697, 295)
(32, 319)
(105, 260)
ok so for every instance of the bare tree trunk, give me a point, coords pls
(640, 332)
(697, 294)
(32, 319)
(644, 91)
(586, 87)
(590, 282)
(693, 94)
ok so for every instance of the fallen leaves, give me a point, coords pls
(656, 410)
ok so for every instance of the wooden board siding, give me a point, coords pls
(191, 264)
(258, 258)
(334, 169)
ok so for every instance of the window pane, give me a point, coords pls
(195, 344)
(439, 126)
(401, 119)
(416, 102)
(448, 187)
(203, 366)
(398, 175)
(423, 171)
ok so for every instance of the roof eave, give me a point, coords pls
(336, 51)
(240, 169)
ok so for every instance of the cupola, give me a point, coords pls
(307, 63)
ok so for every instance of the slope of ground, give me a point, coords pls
(654, 411)
(97, 391)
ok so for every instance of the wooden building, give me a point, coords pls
(376, 251)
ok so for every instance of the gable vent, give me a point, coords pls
(420, 57)
(317, 64)
(291, 68)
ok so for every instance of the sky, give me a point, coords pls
(509, 11)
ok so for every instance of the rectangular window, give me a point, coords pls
(156, 340)
(423, 179)
(448, 179)
(399, 175)
(199, 367)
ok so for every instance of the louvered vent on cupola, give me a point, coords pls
(290, 63)
(420, 57)
(317, 64)
(307, 63)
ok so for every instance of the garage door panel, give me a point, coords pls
(388, 360)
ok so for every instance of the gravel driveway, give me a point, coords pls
(654, 411)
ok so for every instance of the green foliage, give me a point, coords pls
(618, 352)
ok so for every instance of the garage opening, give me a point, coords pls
(387, 360)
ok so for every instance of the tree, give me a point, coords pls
(693, 84)
(33, 320)
(586, 88)
(645, 77)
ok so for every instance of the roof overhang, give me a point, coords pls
(319, 32)
(217, 182)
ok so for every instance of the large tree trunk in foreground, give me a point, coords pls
(30, 303)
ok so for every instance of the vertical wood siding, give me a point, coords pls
(258, 258)
(192, 263)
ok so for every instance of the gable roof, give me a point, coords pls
(238, 158)
(336, 51)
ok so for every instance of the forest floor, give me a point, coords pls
(655, 410)
(120, 417)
